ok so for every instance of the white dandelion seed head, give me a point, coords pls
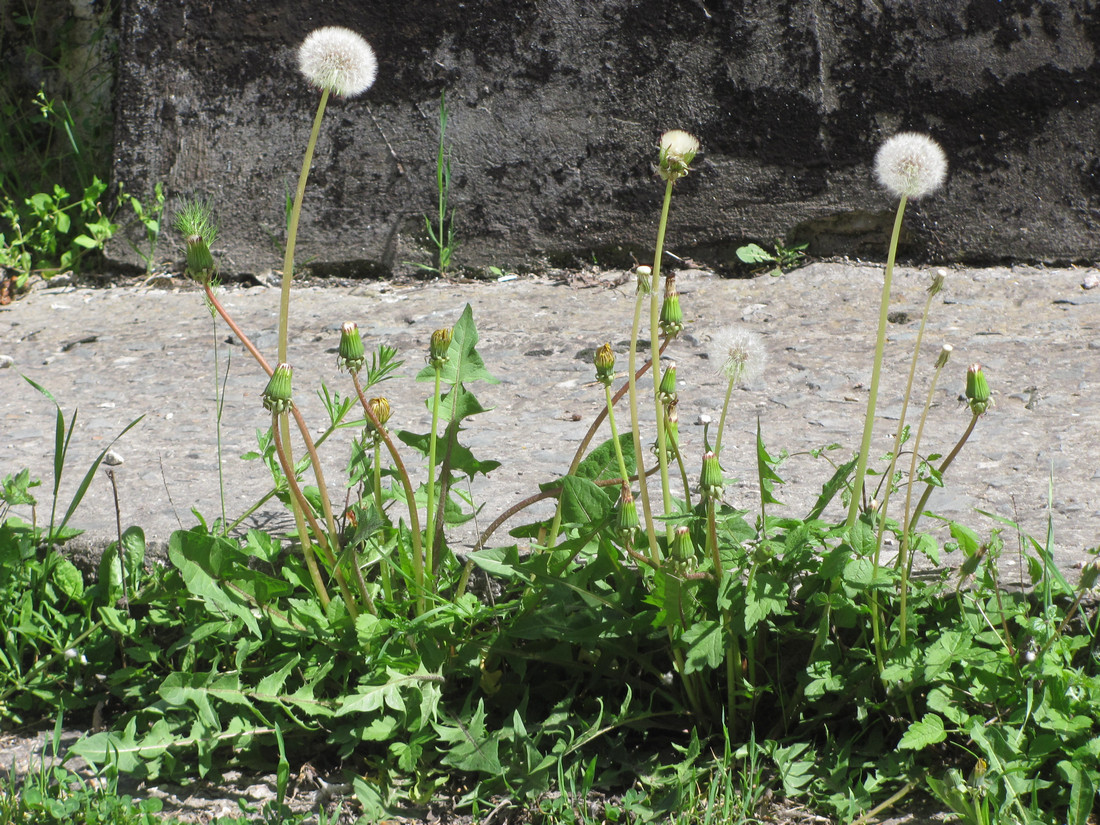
(911, 165)
(680, 144)
(339, 60)
(739, 354)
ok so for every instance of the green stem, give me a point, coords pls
(943, 468)
(903, 564)
(722, 422)
(292, 228)
(635, 426)
(430, 512)
(410, 496)
(880, 346)
(654, 317)
(383, 563)
(218, 406)
(615, 433)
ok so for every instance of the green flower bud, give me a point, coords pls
(605, 365)
(628, 515)
(683, 550)
(441, 342)
(277, 394)
(643, 273)
(666, 392)
(710, 483)
(678, 150)
(977, 390)
(672, 317)
(352, 357)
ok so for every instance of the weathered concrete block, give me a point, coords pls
(556, 108)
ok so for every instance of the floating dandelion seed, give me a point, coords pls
(338, 60)
(911, 165)
(739, 355)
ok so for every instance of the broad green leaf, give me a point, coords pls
(830, 488)
(462, 460)
(765, 597)
(602, 462)
(928, 731)
(372, 698)
(583, 502)
(464, 364)
(68, 578)
(199, 558)
(705, 649)
(472, 747)
(754, 254)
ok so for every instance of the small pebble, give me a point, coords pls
(6, 361)
(1091, 281)
(112, 459)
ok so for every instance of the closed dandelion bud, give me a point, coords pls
(628, 515)
(277, 394)
(667, 389)
(437, 351)
(678, 149)
(605, 364)
(710, 483)
(977, 389)
(380, 409)
(945, 354)
(644, 274)
(683, 549)
(352, 356)
(672, 317)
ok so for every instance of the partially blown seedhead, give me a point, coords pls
(678, 150)
(911, 165)
(739, 354)
(338, 60)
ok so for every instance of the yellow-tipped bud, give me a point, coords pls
(605, 365)
(277, 395)
(352, 356)
(380, 409)
(977, 389)
(441, 342)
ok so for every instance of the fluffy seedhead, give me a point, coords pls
(739, 354)
(911, 165)
(338, 60)
(678, 150)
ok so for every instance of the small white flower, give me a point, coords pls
(339, 60)
(911, 165)
(739, 354)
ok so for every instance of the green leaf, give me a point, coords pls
(462, 459)
(602, 462)
(464, 364)
(766, 596)
(830, 488)
(68, 578)
(199, 557)
(472, 747)
(764, 468)
(583, 502)
(754, 254)
(928, 731)
(705, 649)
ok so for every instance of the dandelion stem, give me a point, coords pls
(880, 346)
(654, 317)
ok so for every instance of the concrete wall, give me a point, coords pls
(556, 107)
